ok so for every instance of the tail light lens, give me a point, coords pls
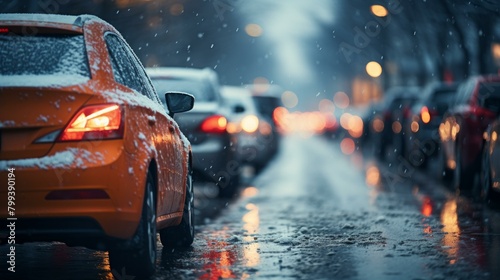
(425, 115)
(214, 124)
(95, 122)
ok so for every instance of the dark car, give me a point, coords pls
(388, 132)
(252, 131)
(205, 126)
(422, 128)
(490, 165)
(267, 99)
(476, 105)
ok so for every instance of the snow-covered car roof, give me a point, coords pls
(47, 18)
(179, 72)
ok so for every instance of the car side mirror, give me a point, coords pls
(238, 109)
(178, 102)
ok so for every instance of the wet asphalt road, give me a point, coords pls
(313, 213)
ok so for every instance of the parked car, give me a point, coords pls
(268, 98)
(97, 160)
(252, 131)
(205, 126)
(476, 105)
(490, 166)
(387, 124)
(422, 127)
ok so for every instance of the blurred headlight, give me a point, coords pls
(250, 123)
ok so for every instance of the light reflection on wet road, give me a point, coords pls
(313, 214)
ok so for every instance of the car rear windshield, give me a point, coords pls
(43, 55)
(202, 91)
(443, 96)
(266, 105)
(489, 96)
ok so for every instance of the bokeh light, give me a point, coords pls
(260, 85)
(326, 106)
(341, 100)
(379, 10)
(289, 99)
(347, 146)
(374, 69)
(253, 30)
(176, 9)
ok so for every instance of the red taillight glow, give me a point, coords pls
(4, 30)
(95, 122)
(214, 124)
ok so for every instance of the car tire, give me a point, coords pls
(182, 235)
(137, 256)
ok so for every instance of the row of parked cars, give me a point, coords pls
(455, 125)
(226, 128)
(94, 150)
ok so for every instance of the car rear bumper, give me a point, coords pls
(213, 159)
(255, 149)
(50, 216)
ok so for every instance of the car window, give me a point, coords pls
(266, 105)
(464, 92)
(125, 69)
(442, 96)
(43, 55)
(489, 96)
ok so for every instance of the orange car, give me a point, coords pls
(89, 154)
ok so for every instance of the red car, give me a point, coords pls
(477, 104)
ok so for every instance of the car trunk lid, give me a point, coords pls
(29, 114)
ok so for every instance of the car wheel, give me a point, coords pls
(137, 257)
(182, 235)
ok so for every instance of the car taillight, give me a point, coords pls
(250, 123)
(95, 122)
(425, 115)
(214, 124)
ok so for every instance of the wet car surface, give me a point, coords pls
(339, 197)
(381, 225)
